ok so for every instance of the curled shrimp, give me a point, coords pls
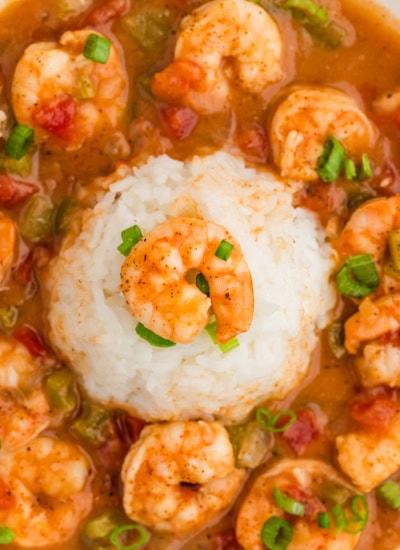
(64, 96)
(155, 287)
(305, 119)
(306, 481)
(8, 238)
(180, 475)
(223, 37)
(24, 409)
(48, 491)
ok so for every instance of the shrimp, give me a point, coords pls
(180, 475)
(220, 43)
(155, 287)
(305, 119)
(8, 238)
(24, 409)
(309, 481)
(48, 488)
(64, 96)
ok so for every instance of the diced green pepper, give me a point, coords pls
(61, 390)
(102, 525)
(252, 445)
(92, 423)
(149, 29)
(36, 219)
(21, 167)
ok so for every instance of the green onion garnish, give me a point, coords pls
(332, 159)
(143, 534)
(269, 422)
(224, 250)
(6, 535)
(231, 344)
(153, 338)
(288, 504)
(97, 48)
(364, 170)
(394, 247)
(350, 169)
(358, 277)
(130, 237)
(324, 521)
(390, 493)
(276, 533)
(309, 9)
(20, 141)
(353, 526)
(202, 284)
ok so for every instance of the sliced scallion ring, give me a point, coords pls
(359, 521)
(350, 170)
(20, 141)
(364, 171)
(276, 533)
(324, 521)
(230, 345)
(390, 493)
(358, 277)
(97, 48)
(308, 8)
(269, 422)
(130, 237)
(143, 534)
(6, 535)
(331, 161)
(224, 250)
(153, 338)
(288, 504)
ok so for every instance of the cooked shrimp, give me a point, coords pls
(221, 44)
(24, 409)
(48, 489)
(307, 481)
(65, 97)
(305, 119)
(179, 476)
(155, 286)
(8, 238)
(367, 457)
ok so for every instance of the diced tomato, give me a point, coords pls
(253, 143)
(6, 498)
(13, 192)
(391, 338)
(225, 541)
(320, 197)
(32, 340)
(122, 433)
(57, 116)
(23, 273)
(313, 505)
(107, 12)
(179, 121)
(303, 430)
(129, 428)
(374, 412)
(178, 78)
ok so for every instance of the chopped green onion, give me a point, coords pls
(143, 534)
(97, 48)
(364, 171)
(6, 535)
(37, 219)
(394, 247)
(358, 277)
(331, 161)
(20, 141)
(309, 9)
(224, 250)
(130, 237)
(269, 422)
(339, 516)
(289, 505)
(61, 390)
(153, 338)
(350, 169)
(336, 339)
(92, 423)
(230, 345)
(390, 493)
(328, 36)
(276, 533)
(324, 521)
(353, 526)
(8, 317)
(103, 525)
(202, 284)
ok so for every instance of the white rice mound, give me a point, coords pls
(290, 262)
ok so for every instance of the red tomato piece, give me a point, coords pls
(57, 116)
(13, 192)
(225, 541)
(178, 78)
(253, 143)
(374, 412)
(179, 121)
(24, 272)
(320, 197)
(6, 498)
(303, 430)
(108, 12)
(32, 340)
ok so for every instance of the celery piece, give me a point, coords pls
(252, 445)
(102, 525)
(36, 219)
(149, 29)
(329, 37)
(92, 423)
